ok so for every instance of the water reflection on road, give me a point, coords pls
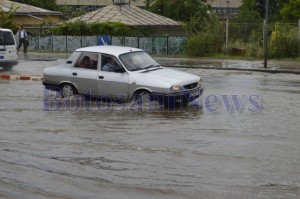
(185, 153)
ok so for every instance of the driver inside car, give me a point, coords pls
(110, 65)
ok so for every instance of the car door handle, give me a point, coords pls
(74, 74)
(101, 77)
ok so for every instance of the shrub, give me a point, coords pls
(204, 38)
(250, 48)
(200, 44)
(283, 41)
(81, 28)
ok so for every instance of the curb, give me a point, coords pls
(273, 71)
(20, 77)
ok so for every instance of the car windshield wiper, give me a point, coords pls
(151, 66)
(136, 69)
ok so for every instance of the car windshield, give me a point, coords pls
(6, 38)
(135, 61)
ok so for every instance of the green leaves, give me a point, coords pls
(180, 10)
(7, 19)
(279, 10)
(49, 4)
(291, 11)
(82, 28)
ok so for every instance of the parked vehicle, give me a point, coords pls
(120, 71)
(8, 49)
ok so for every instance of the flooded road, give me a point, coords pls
(243, 142)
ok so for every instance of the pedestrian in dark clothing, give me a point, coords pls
(23, 38)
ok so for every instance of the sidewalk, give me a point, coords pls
(33, 56)
(274, 66)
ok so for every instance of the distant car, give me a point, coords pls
(8, 49)
(116, 71)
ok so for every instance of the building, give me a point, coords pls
(134, 17)
(225, 9)
(92, 5)
(31, 17)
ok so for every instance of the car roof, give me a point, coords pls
(113, 50)
(4, 29)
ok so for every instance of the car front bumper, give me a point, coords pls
(184, 96)
(187, 95)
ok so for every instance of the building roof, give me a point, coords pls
(129, 15)
(140, 3)
(25, 9)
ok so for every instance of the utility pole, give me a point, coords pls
(227, 27)
(227, 33)
(299, 37)
(266, 24)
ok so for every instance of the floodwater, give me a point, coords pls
(247, 150)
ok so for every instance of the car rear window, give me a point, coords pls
(6, 38)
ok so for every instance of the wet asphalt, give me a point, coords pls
(239, 140)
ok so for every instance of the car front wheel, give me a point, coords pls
(142, 96)
(68, 90)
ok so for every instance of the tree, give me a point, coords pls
(291, 11)
(253, 8)
(148, 3)
(180, 10)
(7, 19)
(49, 4)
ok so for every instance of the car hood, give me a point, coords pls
(170, 76)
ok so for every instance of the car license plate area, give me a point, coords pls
(194, 93)
(1, 57)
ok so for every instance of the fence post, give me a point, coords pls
(227, 33)
(66, 43)
(299, 38)
(168, 45)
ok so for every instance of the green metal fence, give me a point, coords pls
(242, 39)
(153, 45)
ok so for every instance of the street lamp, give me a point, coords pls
(266, 22)
(228, 1)
(227, 28)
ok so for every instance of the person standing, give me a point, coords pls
(23, 38)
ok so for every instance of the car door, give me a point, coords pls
(84, 73)
(111, 83)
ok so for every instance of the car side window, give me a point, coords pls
(87, 60)
(109, 64)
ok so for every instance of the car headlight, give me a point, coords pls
(175, 88)
(200, 83)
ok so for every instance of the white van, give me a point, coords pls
(8, 49)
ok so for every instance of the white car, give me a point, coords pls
(120, 72)
(8, 49)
